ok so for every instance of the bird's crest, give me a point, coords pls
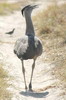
(24, 8)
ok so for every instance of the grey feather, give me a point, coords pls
(28, 47)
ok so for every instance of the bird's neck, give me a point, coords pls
(29, 25)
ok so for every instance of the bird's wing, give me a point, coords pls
(21, 45)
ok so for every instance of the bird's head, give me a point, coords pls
(28, 9)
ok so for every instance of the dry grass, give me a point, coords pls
(4, 93)
(7, 8)
(53, 20)
(51, 26)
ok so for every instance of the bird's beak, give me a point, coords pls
(35, 6)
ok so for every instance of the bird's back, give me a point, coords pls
(28, 47)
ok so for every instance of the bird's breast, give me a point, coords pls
(28, 47)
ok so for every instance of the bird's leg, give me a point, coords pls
(30, 84)
(23, 70)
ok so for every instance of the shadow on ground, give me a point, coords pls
(34, 94)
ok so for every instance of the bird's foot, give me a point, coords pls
(26, 88)
(30, 87)
(30, 90)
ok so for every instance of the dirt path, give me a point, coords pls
(43, 82)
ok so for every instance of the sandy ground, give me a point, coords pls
(44, 83)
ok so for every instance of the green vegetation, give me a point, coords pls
(4, 93)
(6, 8)
(51, 26)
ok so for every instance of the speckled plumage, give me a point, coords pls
(28, 47)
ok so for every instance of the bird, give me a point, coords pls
(29, 46)
(10, 32)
